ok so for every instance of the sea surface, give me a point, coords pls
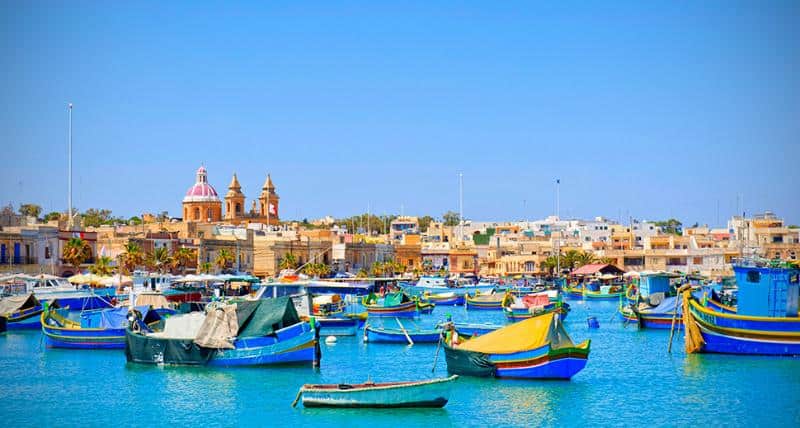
(630, 380)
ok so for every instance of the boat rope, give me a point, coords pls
(436, 355)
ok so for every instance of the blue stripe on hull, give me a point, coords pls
(84, 339)
(378, 336)
(722, 344)
(295, 345)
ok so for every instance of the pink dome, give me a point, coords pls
(201, 191)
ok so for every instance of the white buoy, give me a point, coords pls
(330, 340)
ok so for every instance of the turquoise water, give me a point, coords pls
(630, 379)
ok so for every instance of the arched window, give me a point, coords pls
(208, 211)
(238, 208)
(197, 213)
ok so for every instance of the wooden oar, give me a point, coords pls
(410, 342)
(296, 399)
(436, 356)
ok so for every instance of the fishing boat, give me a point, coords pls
(520, 308)
(660, 316)
(766, 321)
(96, 329)
(444, 299)
(475, 329)
(21, 312)
(536, 348)
(426, 393)
(491, 301)
(400, 335)
(344, 325)
(595, 291)
(391, 305)
(437, 285)
(242, 333)
(424, 307)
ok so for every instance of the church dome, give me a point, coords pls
(202, 191)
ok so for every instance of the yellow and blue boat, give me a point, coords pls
(96, 329)
(536, 348)
(766, 321)
(21, 312)
(490, 301)
(391, 305)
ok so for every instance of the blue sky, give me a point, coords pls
(650, 110)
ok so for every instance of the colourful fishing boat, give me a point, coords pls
(491, 301)
(346, 325)
(399, 335)
(391, 305)
(444, 299)
(604, 292)
(536, 348)
(654, 317)
(244, 333)
(766, 321)
(21, 312)
(426, 393)
(97, 329)
(532, 305)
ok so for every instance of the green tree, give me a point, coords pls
(134, 221)
(96, 217)
(132, 257)
(102, 266)
(288, 261)
(205, 267)
(55, 215)
(450, 218)
(76, 252)
(224, 259)
(30, 210)
(672, 226)
(160, 259)
(424, 222)
(182, 257)
(584, 258)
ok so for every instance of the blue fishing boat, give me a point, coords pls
(536, 348)
(340, 326)
(21, 312)
(766, 321)
(391, 305)
(97, 329)
(427, 393)
(520, 308)
(399, 335)
(243, 333)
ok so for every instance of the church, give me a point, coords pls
(202, 204)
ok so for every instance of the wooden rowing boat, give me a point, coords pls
(426, 393)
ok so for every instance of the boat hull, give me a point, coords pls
(735, 334)
(404, 310)
(294, 345)
(381, 335)
(540, 363)
(434, 393)
(29, 319)
(83, 338)
(338, 326)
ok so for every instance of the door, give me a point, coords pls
(16, 253)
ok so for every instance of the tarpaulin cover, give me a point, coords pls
(115, 317)
(522, 336)
(394, 299)
(667, 306)
(271, 315)
(219, 328)
(536, 300)
(12, 304)
(183, 326)
(156, 300)
(156, 350)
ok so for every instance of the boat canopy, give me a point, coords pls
(13, 304)
(394, 299)
(268, 316)
(522, 336)
(156, 300)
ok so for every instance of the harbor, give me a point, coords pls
(417, 214)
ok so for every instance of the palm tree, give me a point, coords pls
(607, 261)
(76, 252)
(132, 257)
(550, 264)
(182, 257)
(377, 269)
(289, 261)
(570, 258)
(205, 267)
(362, 273)
(160, 259)
(585, 258)
(224, 258)
(102, 267)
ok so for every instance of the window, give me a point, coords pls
(754, 276)
(197, 213)
(208, 211)
(238, 208)
(697, 260)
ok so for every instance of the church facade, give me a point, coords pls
(202, 204)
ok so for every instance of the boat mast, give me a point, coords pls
(69, 171)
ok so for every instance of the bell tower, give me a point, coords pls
(234, 200)
(269, 202)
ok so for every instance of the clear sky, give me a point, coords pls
(643, 109)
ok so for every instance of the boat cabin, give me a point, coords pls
(767, 290)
